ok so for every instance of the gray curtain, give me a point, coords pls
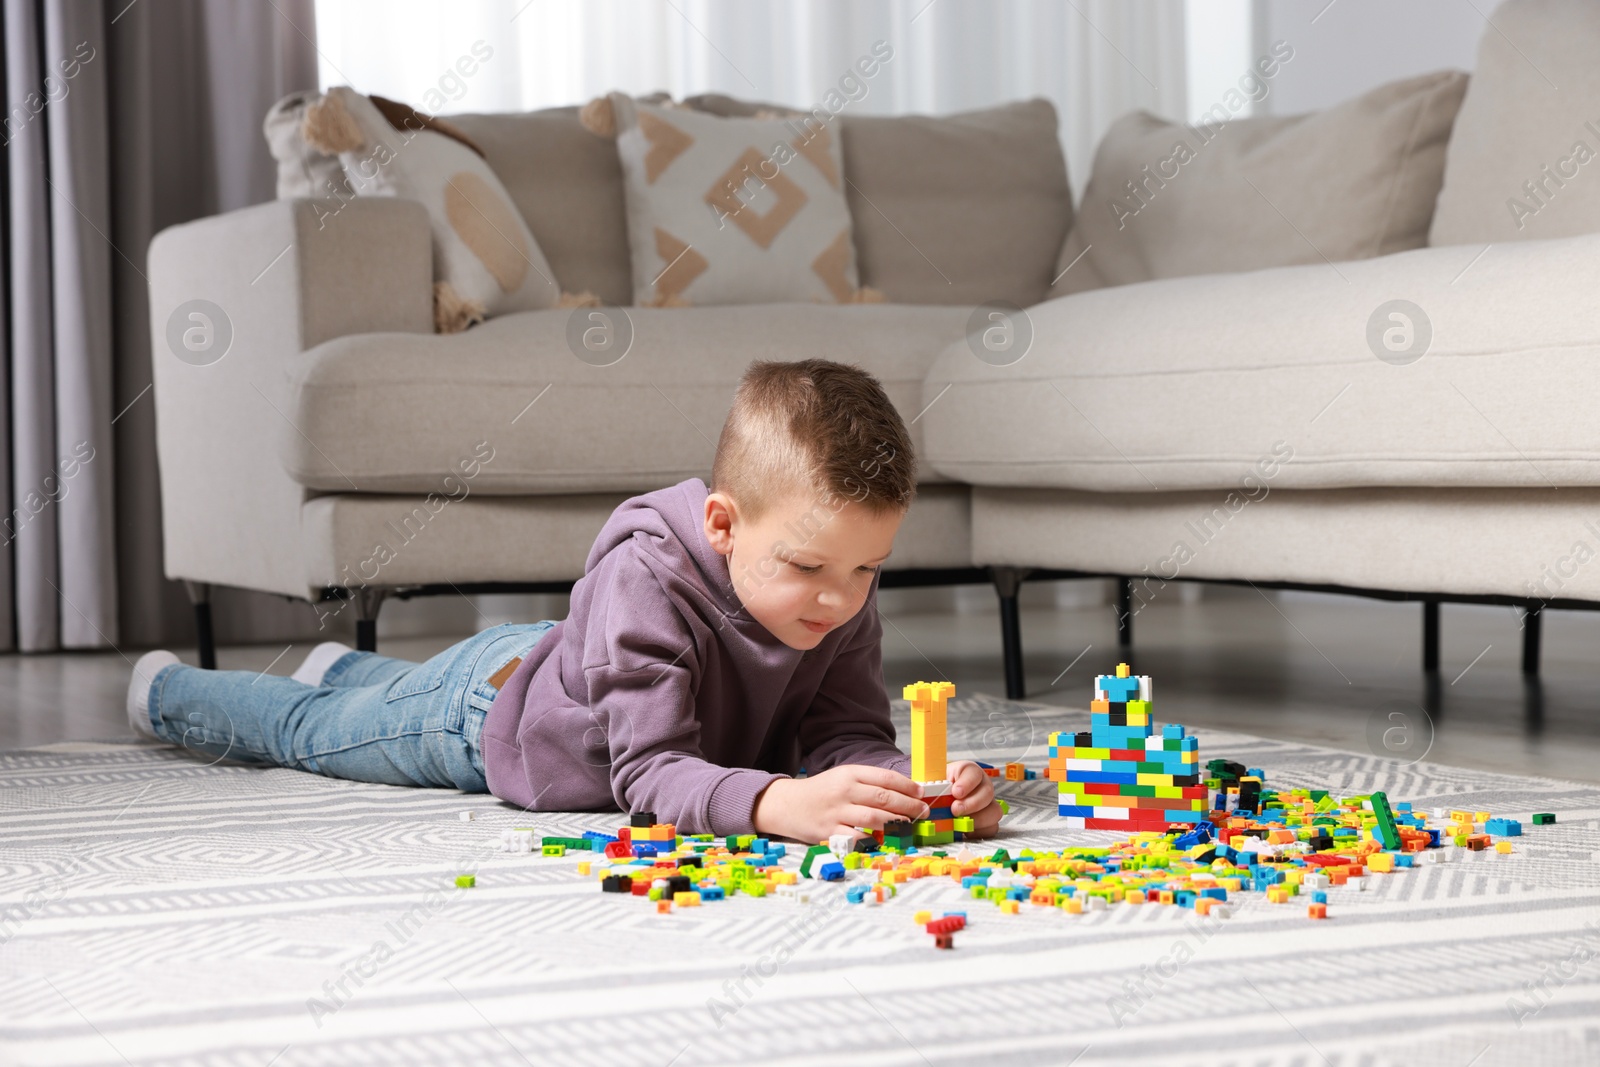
(122, 118)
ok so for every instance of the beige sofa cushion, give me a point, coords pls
(951, 209)
(1195, 383)
(396, 412)
(1505, 542)
(1357, 180)
(1532, 115)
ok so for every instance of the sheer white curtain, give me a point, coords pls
(1095, 59)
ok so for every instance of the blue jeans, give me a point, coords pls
(373, 719)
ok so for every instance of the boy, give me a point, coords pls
(718, 641)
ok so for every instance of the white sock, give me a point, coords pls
(318, 661)
(144, 673)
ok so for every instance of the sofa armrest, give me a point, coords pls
(275, 279)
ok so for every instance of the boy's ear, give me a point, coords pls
(720, 514)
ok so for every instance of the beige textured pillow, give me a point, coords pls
(1524, 162)
(1354, 181)
(732, 211)
(485, 261)
(951, 209)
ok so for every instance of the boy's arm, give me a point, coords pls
(848, 721)
(641, 680)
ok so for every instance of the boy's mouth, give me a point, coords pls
(816, 627)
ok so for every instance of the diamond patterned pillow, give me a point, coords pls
(733, 210)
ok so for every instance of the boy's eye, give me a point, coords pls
(804, 568)
(866, 568)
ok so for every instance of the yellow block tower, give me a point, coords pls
(930, 763)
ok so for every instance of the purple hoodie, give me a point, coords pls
(658, 692)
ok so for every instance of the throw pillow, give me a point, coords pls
(1523, 159)
(303, 171)
(730, 211)
(948, 209)
(1354, 181)
(485, 261)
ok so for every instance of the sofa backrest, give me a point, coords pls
(568, 185)
(950, 209)
(1524, 161)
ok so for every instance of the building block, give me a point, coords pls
(466, 881)
(1543, 818)
(811, 855)
(928, 729)
(1387, 832)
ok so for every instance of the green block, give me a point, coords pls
(656, 892)
(811, 854)
(1319, 794)
(979, 892)
(965, 825)
(996, 894)
(466, 881)
(1543, 818)
(898, 843)
(555, 850)
(756, 888)
(1000, 856)
(1388, 833)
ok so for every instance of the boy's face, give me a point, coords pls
(803, 568)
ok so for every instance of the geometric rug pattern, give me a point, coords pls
(160, 908)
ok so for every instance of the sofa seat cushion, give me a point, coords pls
(400, 413)
(1224, 381)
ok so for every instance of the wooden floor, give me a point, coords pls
(1335, 671)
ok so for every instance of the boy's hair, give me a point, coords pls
(814, 426)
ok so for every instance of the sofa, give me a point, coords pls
(1370, 380)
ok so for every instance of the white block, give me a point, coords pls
(934, 789)
(1146, 688)
(468, 816)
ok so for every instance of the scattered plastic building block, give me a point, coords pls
(466, 881)
(1543, 818)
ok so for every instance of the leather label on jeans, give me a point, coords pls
(498, 678)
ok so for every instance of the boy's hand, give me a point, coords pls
(974, 795)
(838, 801)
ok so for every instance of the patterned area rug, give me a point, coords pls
(158, 910)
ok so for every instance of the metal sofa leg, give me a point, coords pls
(369, 602)
(1124, 613)
(1532, 627)
(205, 635)
(1007, 583)
(1430, 636)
